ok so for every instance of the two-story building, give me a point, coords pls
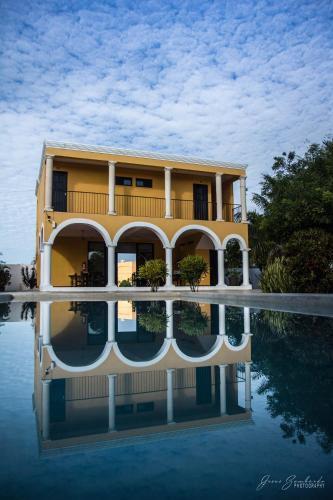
(102, 212)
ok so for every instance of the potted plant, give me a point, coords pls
(154, 272)
(192, 269)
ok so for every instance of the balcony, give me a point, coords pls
(139, 206)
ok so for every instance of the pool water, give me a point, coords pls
(165, 399)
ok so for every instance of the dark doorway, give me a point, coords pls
(200, 200)
(59, 191)
(213, 267)
(97, 263)
(58, 400)
(203, 385)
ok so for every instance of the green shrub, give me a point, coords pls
(154, 319)
(125, 283)
(192, 320)
(29, 277)
(275, 278)
(5, 276)
(309, 255)
(154, 272)
(192, 269)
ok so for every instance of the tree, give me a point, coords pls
(5, 275)
(153, 318)
(276, 278)
(309, 261)
(154, 272)
(294, 201)
(192, 269)
(29, 277)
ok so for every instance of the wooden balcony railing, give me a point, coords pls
(140, 206)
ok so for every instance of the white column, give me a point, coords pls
(167, 191)
(169, 314)
(223, 389)
(46, 384)
(170, 419)
(220, 267)
(243, 198)
(45, 321)
(112, 183)
(248, 385)
(112, 402)
(48, 181)
(245, 253)
(46, 270)
(111, 320)
(168, 261)
(247, 328)
(222, 319)
(111, 266)
(219, 201)
(41, 267)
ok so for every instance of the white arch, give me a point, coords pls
(197, 227)
(199, 359)
(143, 364)
(147, 225)
(86, 368)
(88, 222)
(240, 239)
(241, 346)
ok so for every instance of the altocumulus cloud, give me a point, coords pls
(239, 81)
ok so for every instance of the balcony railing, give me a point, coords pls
(139, 206)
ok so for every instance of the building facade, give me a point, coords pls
(102, 212)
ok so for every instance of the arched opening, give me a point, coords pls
(79, 256)
(195, 327)
(233, 263)
(79, 331)
(140, 328)
(136, 245)
(194, 241)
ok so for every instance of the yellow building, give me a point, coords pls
(98, 207)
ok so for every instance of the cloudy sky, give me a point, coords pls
(234, 80)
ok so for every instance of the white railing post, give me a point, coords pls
(220, 267)
(170, 415)
(168, 261)
(223, 389)
(112, 402)
(246, 280)
(167, 192)
(219, 200)
(111, 267)
(243, 198)
(112, 183)
(169, 314)
(48, 182)
(248, 385)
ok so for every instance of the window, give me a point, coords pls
(123, 181)
(124, 409)
(143, 407)
(144, 183)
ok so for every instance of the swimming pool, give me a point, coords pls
(167, 399)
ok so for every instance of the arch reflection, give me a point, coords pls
(83, 335)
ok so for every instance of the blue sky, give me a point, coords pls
(238, 80)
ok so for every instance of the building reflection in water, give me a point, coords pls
(106, 371)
